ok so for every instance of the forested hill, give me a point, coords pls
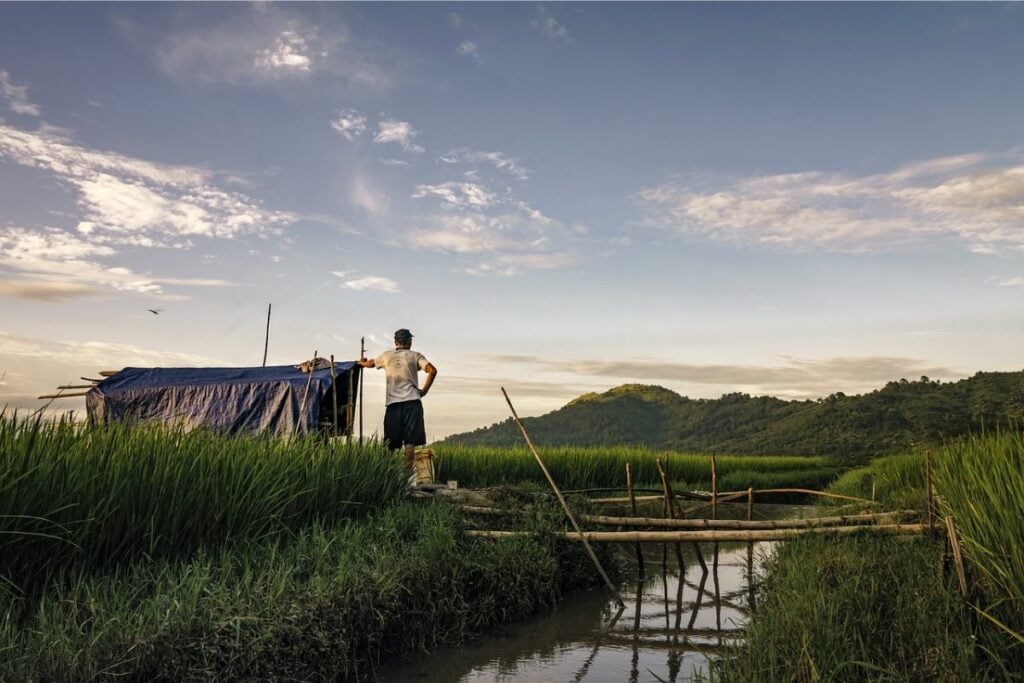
(889, 420)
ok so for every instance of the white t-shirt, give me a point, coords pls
(400, 366)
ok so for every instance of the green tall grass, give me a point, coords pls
(73, 499)
(896, 481)
(981, 481)
(594, 467)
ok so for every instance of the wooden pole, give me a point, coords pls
(309, 380)
(928, 486)
(714, 488)
(632, 505)
(670, 512)
(662, 523)
(561, 499)
(714, 550)
(750, 550)
(958, 559)
(266, 338)
(350, 408)
(63, 395)
(76, 386)
(720, 535)
(334, 395)
(362, 355)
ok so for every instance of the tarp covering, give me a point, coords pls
(231, 400)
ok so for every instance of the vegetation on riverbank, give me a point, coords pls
(152, 554)
(881, 609)
(605, 467)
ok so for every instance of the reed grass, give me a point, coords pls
(592, 467)
(896, 481)
(330, 603)
(73, 499)
(981, 482)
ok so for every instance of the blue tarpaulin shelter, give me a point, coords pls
(279, 399)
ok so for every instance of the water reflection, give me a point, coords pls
(680, 616)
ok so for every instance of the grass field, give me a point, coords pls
(592, 467)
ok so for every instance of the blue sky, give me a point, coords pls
(786, 199)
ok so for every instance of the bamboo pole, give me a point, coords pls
(108, 373)
(90, 379)
(334, 396)
(350, 408)
(729, 496)
(362, 355)
(670, 512)
(714, 550)
(561, 499)
(76, 386)
(720, 535)
(714, 488)
(309, 380)
(661, 522)
(928, 486)
(958, 559)
(63, 395)
(809, 492)
(266, 338)
(632, 505)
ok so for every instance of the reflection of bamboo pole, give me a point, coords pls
(632, 504)
(670, 512)
(565, 506)
(720, 535)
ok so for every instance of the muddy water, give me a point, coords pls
(673, 623)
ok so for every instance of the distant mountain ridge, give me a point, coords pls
(892, 419)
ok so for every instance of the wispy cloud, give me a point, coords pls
(63, 265)
(975, 198)
(468, 48)
(458, 194)
(373, 283)
(1013, 282)
(264, 43)
(498, 160)
(350, 123)
(548, 26)
(401, 132)
(793, 377)
(128, 200)
(367, 196)
(16, 96)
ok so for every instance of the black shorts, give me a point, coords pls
(403, 424)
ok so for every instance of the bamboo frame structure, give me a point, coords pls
(719, 535)
(334, 397)
(565, 506)
(632, 505)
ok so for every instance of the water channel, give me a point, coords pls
(674, 622)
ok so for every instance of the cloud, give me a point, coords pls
(402, 132)
(42, 290)
(26, 378)
(350, 123)
(458, 194)
(16, 96)
(373, 283)
(548, 26)
(468, 48)
(456, 21)
(1013, 282)
(498, 160)
(63, 265)
(131, 201)
(364, 194)
(264, 44)
(793, 378)
(973, 198)
(395, 162)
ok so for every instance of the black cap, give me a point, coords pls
(403, 335)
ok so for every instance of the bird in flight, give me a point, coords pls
(155, 311)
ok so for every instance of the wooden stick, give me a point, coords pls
(561, 499)
(90, 379)
(714, 488)
(958, 559)
(809, 492)
(108, 373)
(62, 395)
(928, 485)
(76, 386)
(350, 408)
(609, 488)
(632, 505)
(309, 380)
(670, 512)
(362, 354)
(720, 535)
(334, 394)
(620, 501)
(266, 338)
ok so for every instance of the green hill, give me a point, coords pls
(892, 419)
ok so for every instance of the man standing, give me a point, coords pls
(403, 416)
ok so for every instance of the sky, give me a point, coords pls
(780, 199)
